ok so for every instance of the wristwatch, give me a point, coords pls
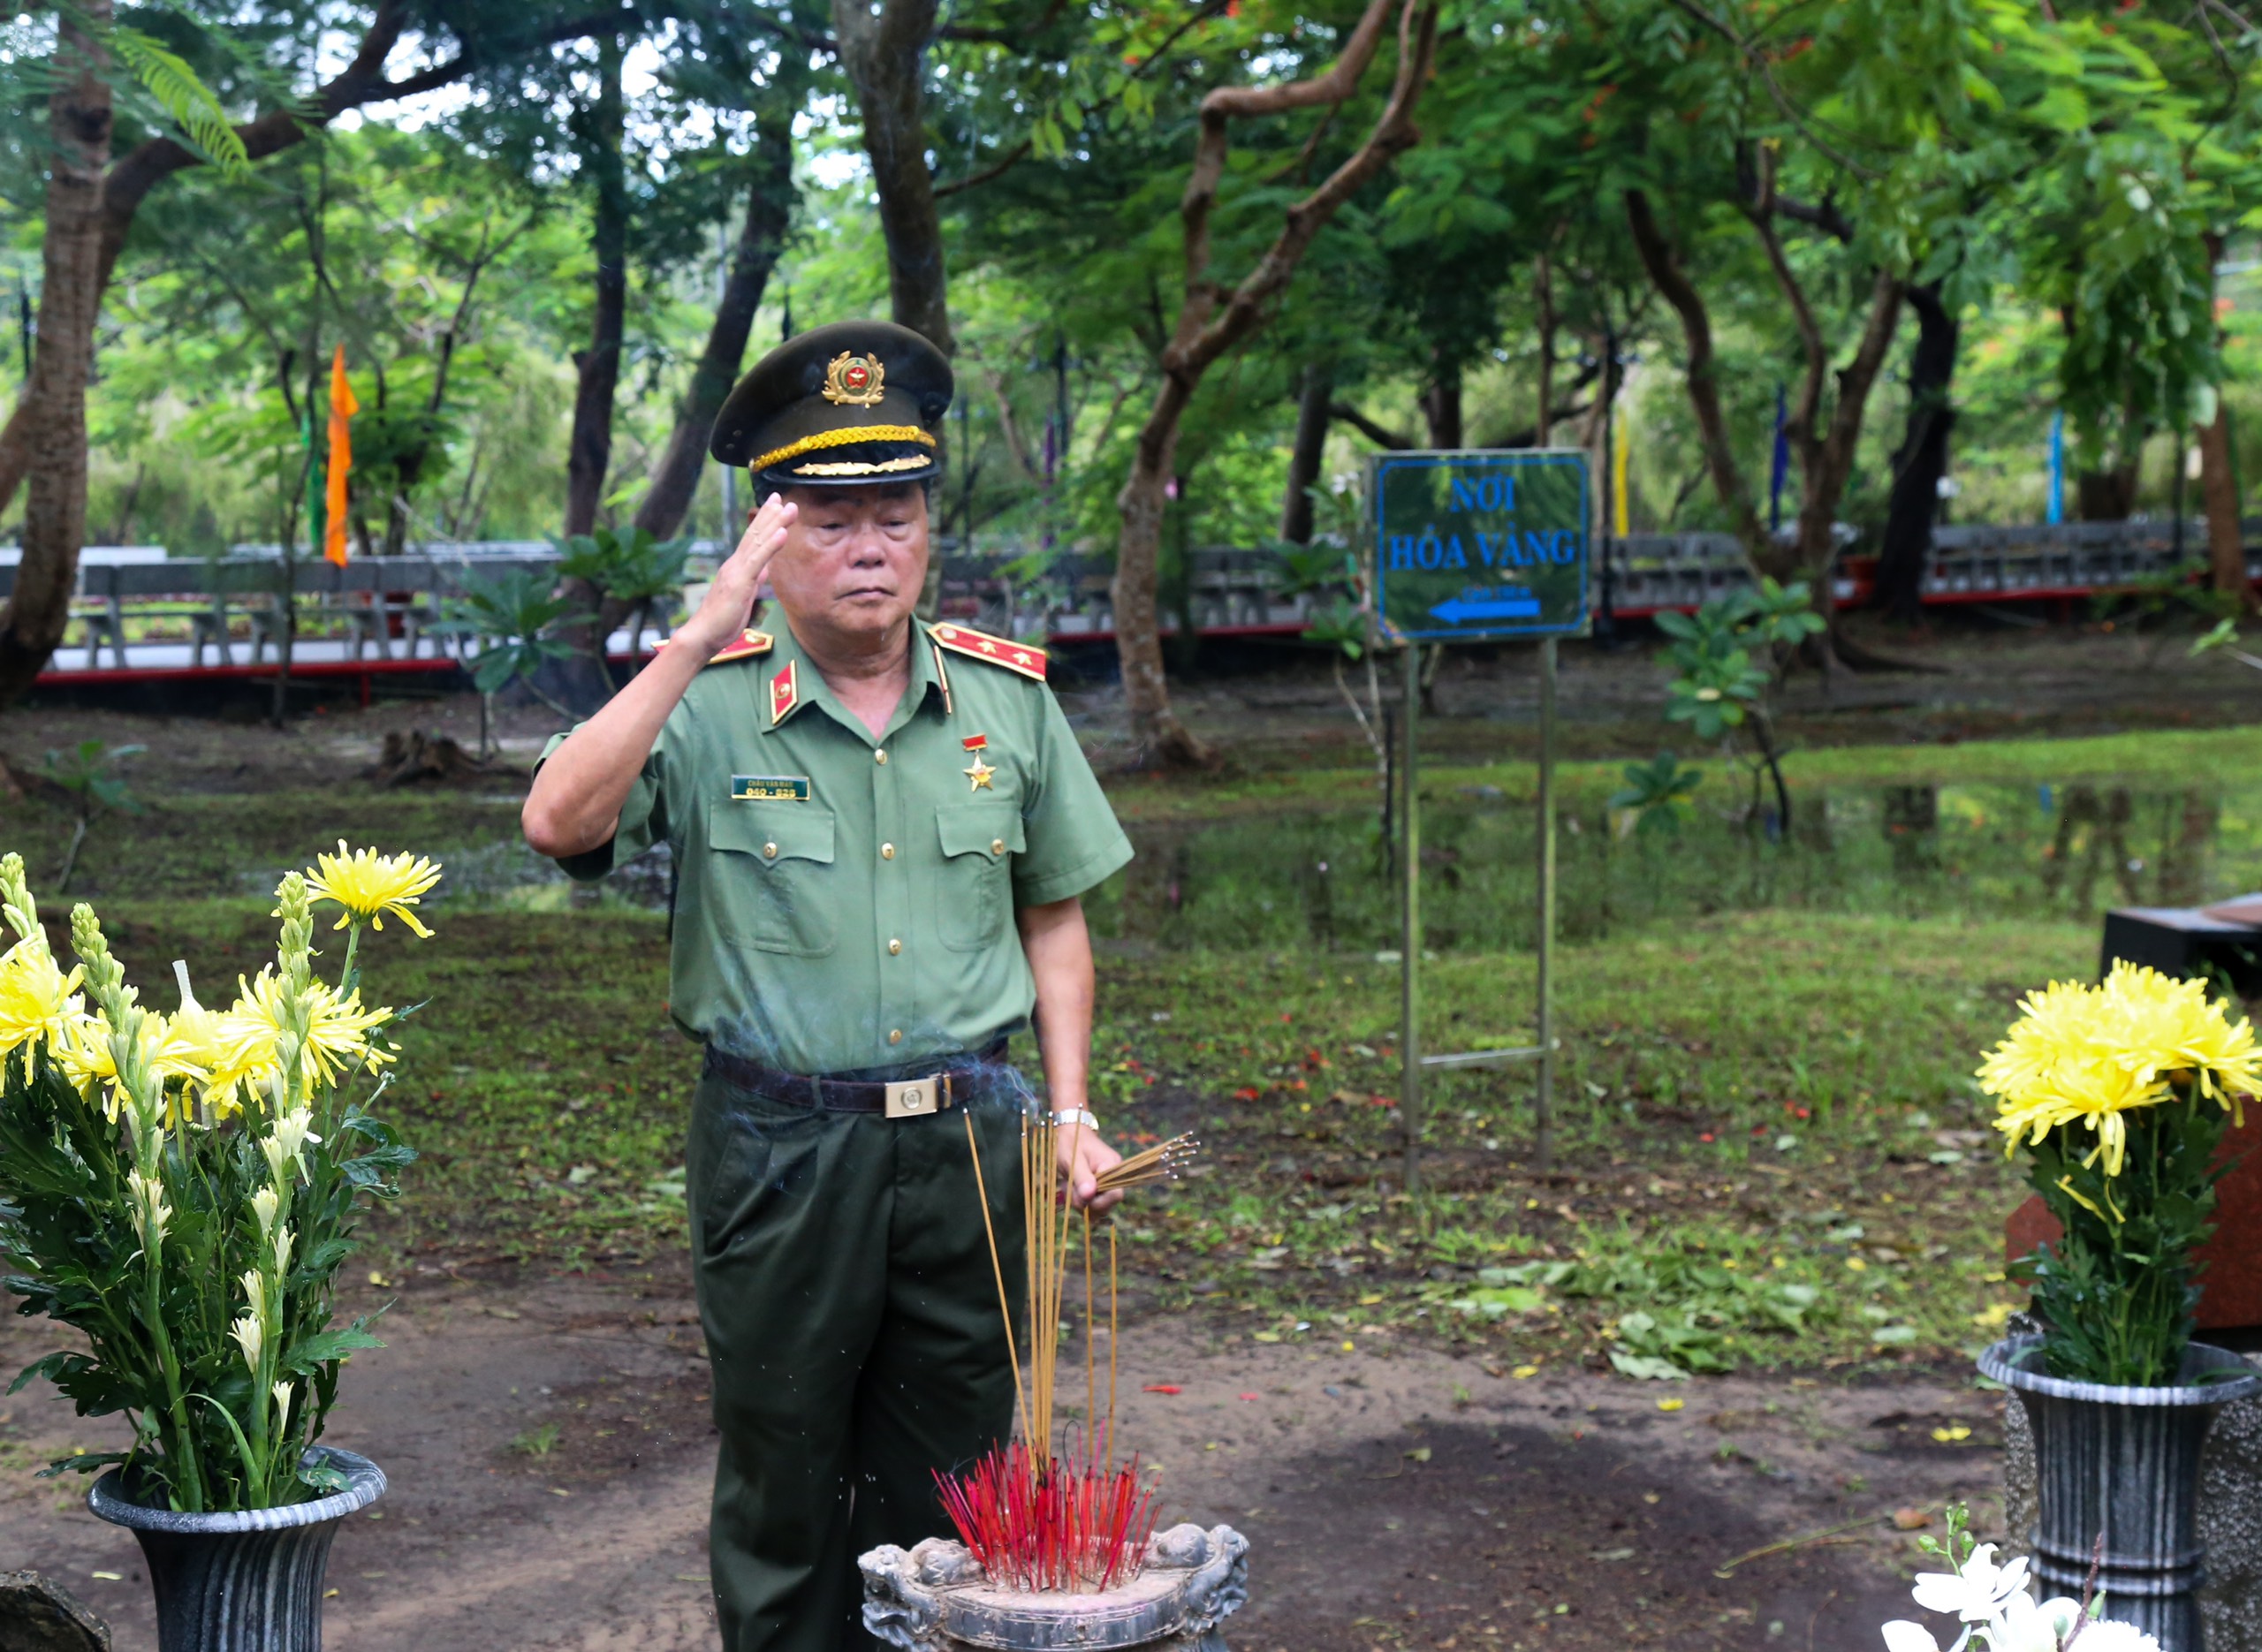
(1076, 1115)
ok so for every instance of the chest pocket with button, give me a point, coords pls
(767, 875)
(978, 842)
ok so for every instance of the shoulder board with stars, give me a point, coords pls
(749, 644)
(1015, 656)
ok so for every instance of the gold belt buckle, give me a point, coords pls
(917, 1098)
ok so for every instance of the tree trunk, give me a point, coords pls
(770, 207)
(1826, 463)
(1441, 400)
(1664, 267)
(2108, 495)
(54, 405)
(2219, 493)
(1304, 458)
(1542, 289)
(1918, 467)
(15, 453)
(600, 130)
(882, 53)
(1212, 321)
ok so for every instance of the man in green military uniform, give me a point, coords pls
(881, 831)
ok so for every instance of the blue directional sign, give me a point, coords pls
(1475, 545)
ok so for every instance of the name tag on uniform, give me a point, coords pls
(769, 788)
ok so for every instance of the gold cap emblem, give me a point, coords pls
(854, 381)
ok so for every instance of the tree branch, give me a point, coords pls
(1757, 58)
(1381, 434)
(1825, 217)
(1666, 273)
(1800, 426)
(1219, 106)
(1022, 150)
(1201, 340)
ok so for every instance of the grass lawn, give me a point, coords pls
(1769, 1149)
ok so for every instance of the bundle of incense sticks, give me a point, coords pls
(1074, 1527)
(1159, 1162)
(1034, 1521)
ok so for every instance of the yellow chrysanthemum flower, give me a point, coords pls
(2055, 1021)
(2168, 1025)
(37, 1000)
(229, 1068)
(89, 1056)
(2091, 1055)
(368, 885)
(337, 1032)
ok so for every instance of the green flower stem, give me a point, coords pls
(345, 977)
(263, 1379)
(188, 1481)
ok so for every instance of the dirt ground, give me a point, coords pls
(1394, 1498)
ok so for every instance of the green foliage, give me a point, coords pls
(2118, 1294)
(510, 614)
(1719, 683)
(537, 1441)
(630, 566)
(1657, 794)
(88, 774)
(185, 99)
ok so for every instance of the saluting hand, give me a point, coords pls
(730, 600)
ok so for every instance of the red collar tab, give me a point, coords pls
(1015, 656)
(785, 693)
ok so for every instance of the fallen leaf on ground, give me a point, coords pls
(1671, 1405)
(1251, 1397)
(1163, 1388)
(1911, 1519)
(1523, 1371)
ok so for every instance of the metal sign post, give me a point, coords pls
(1478, 546)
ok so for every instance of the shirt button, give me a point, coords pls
(879, 757)
(895, 1037)
(887, 852)
(996, 845)
(770, 852)
(894, 947)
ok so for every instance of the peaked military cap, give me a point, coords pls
(844, 405)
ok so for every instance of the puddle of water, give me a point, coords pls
(1322, 881)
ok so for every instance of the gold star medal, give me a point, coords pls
(978, 772)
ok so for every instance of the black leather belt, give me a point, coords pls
(896, 1098)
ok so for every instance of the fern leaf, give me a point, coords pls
(184, 96)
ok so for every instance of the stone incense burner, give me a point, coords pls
(935, 1598)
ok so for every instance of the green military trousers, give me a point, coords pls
(852, 1322)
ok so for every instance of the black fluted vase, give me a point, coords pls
(248, 1581)
(2123, 1462)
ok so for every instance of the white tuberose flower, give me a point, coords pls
(249, 1336)
(1978, 1593)
(1900, 1635)
(2106, 1636)
(2026, 1627)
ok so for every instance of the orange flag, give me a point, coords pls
(342, 409)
